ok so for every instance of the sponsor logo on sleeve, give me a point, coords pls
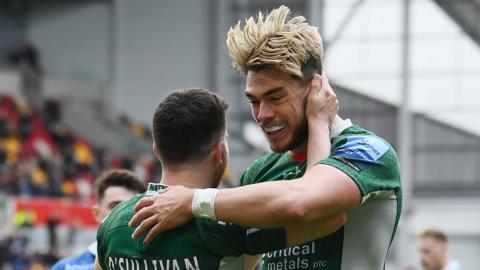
(353, 166)
(360, 151)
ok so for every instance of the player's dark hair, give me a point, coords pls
(187, 123)
(118, 178)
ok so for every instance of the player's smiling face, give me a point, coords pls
(277, 103)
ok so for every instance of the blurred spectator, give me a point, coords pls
(52, 225)
(18, 251)
(25, 55)
(137, 129)
(24, 217)
(5, 252)
(52, 112)
(433, 251)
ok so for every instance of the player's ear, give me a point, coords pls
(217, 151)
(155, 151)
(96, 212)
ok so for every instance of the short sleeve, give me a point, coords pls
(370, 162)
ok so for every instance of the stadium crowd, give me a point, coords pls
(41, 156)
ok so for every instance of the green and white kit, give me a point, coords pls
(364, 241)
(202, 244)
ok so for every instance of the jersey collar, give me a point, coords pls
(153, 188)
(298, 157)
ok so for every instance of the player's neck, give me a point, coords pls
(302, 149)
(188, 176)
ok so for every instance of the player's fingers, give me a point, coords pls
(330, 94)
(145, 225)
(315, 85)
(158, 228)
(318, 83)
(147, 201)
(160, 191)
(326, 82)
(142, 214)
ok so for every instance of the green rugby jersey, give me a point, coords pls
(201, 244)
(364, 241)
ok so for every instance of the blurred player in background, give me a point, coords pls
(433, 251)
(111, 188)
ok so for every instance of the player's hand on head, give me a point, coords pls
(167, 210)
(322, 103)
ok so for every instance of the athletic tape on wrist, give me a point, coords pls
(203, 203)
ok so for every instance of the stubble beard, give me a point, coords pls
(298, 138)
(300, 134)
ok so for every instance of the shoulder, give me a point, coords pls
(367, 158)
(263, 163)
(364, 146)
(118, 217)
(120, 213)
(265, 160)
(357, 134)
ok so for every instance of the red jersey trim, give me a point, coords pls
(298, 157)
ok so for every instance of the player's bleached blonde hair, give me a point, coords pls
(276, 43)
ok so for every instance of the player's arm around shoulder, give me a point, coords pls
(324, 191)
(304, 232)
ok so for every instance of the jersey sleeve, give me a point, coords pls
(369, 161)
(228, 239)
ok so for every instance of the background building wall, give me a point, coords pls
(162, 45)
(12, 29)
(72, 38)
